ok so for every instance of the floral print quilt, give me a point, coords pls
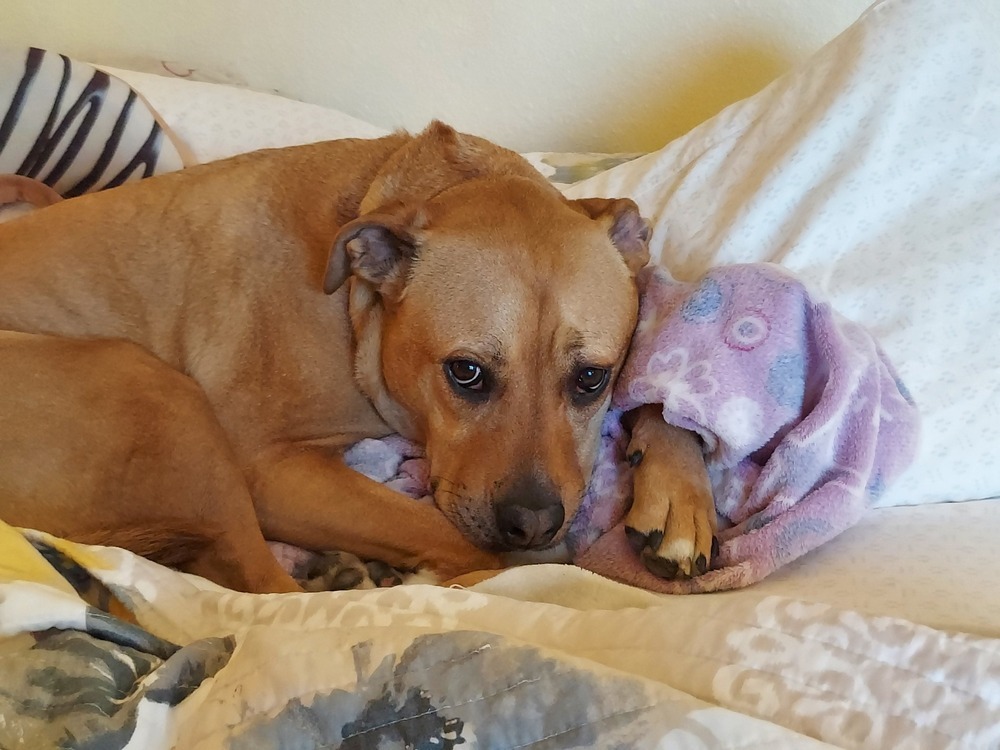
(103, 650)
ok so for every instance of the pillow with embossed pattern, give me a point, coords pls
(873, 172)
(215, 121)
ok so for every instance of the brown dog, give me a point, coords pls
(183, 359)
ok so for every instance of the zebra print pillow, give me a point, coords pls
(74, 127)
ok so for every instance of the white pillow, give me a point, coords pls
(215, 121)
(873, 171)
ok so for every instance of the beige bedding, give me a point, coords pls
(497, 670)
(935, 565)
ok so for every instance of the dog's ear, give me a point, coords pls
(377, 248)
(628, 231)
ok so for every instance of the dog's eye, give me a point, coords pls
(591, 380)
(466, 374)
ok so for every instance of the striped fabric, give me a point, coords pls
(74, 127)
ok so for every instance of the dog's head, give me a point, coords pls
(491, 321)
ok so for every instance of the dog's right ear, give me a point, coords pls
(377, 248)
(626, 228)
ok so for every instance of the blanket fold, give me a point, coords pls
(803, 418)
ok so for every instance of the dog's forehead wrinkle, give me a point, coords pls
(470, 307)
(580, 349)
(488, 347)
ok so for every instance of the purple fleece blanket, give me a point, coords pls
(803, 418)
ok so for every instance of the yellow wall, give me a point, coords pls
(603, 75)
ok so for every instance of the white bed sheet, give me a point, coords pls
(936, 565)
(872, 172)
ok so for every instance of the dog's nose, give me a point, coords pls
(529, 515)
(527, 528)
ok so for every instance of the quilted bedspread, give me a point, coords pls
(101, 649)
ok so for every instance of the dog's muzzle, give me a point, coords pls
(529, 514)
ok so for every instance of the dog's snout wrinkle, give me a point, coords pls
(529, 514)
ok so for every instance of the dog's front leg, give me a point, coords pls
(672, 521)
(308, 497)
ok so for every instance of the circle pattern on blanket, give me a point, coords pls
(786, 380)
(748, 332)
(703, 305)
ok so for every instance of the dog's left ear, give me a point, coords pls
(628, 231)
(377, 248)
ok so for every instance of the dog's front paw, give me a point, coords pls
(341, 571)
(672, 522)
(679, 548)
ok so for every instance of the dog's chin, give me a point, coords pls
(557, 552)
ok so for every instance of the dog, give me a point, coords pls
(186, 357)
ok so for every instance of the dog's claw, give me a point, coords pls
(662, 568)
(636, 539)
